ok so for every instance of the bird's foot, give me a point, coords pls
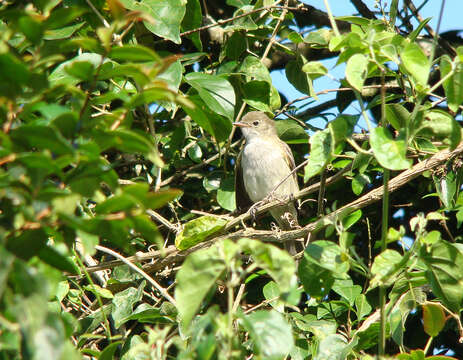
(292, 222)
(275, 228)
(253, 209)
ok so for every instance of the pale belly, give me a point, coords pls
(264, 167)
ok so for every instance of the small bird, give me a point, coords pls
(262, 165)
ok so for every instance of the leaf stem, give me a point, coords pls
(428, 345)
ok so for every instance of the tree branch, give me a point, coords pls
(171, 255)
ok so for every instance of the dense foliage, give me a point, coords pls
(118, 236)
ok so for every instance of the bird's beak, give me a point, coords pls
(241, 124)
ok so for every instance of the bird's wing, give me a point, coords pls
(243, 202)
(289, 158)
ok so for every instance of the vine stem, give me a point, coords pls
(382, 289)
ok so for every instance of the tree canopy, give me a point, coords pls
(119, 236)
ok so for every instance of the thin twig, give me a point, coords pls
(163, 220)
(222, 22)
(238, 298)
(182, 173)
(153, 282)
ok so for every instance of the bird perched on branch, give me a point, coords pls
(264, 170)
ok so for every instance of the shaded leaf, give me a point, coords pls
(271, 334)
(444, 264)
(195, 278)
(433, 319)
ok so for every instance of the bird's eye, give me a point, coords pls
(255, 123)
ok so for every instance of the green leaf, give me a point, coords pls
(416, 63)
(257, 94)
(193, 20)
(145, 313)
(195, 278)
(357, 20)
(216, 125)
(393, 12)
(320, 37)
(82, 70)
(55, 259)
(397, 115)
(314, 69)
(215, 91)
(272, 292)
(291, 131)
(60, 76)
(444, 272)
(123, 303)
(447, 186)
(442, 126)
(87, 177)
(390, 153)
(253, 69)
(414, 355)
(133, 53)
(276, 262)
(27, 244)
(167, 16)
(173, 75)
(333, 347)
(63, 16)
(130, 141)
(327, 255)
(31, 28)
(299, 79)
(98, 290)
(109, 351)
(357, 71)
(321, 147)
(41, 137)
(342, 127)
(271, 334)
(433, 319)
(414, 34)
(358, 183)
(347, 290)
(295, 37)
(362, 307)
(235, 46)
(385, 265)
(321, 265)
(453, 86)
(351, 219)
(226, 194)
(198, 230)
(62, 33)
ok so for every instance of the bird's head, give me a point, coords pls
(256, 124)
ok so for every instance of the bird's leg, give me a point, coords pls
(253, 209)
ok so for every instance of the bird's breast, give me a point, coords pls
(264, 166)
